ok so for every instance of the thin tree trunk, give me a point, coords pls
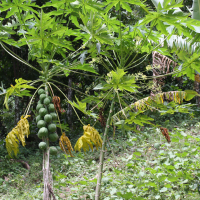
(17, 110)
(98, 187)
(47, 177)
(15, 69)
(69, 107)
(196, 87)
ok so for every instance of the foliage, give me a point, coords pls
(65, 144)
(17, 134)
(90, 135)
(106, 41)
(136, 170)
(15, 90)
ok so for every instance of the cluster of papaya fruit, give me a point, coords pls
(44, 119)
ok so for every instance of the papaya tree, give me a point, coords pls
(105, 41)
(49, 41)
(132, 44)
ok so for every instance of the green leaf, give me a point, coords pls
(82, 107)
(162, 27)
(85, 67)
(190, 94)
(98, 87)
(137, 153)
(172, 178)
(16, 90)
(175, 140)
(152, 184)
(79, 105)
(126, 6)
(128, 195)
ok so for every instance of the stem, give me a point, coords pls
(101, 100)
(17, 57)
(120, 35)
(68, 102)
(47, 177)
(98, 187)
(68, 86)
(46, 194)
(142, 44)
(29, 104)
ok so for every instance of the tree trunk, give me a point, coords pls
(196, 87)
(17, 110)
(98, 187)
(69, 107)
(15, 69)
(47, 177)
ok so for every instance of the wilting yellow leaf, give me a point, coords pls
(65, 144)
(17, 133)
(85, 141)
(93, 134)
(23, 129)
(12, 143)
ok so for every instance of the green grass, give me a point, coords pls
(141, 166)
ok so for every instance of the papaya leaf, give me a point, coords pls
(152, 102)
(82, 57)
(118, 80)
(139, 119)
(99, 86)
(82, 107)
(90, 135)
(17, 134)
(83, 143)
(93, 134)
(190, 94)
(16, 90)
(12, 143)
(65, 144)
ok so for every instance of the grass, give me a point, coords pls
(139, 166)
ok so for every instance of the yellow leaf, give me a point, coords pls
(65, 144)
(83, 142)
(12, 143)
(90, 135)
(17, 133)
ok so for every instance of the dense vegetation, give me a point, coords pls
(139, 166)
(124, 69)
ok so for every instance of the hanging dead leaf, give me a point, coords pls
(65, 144)
(56, 102)
(197, 78)
(165, 133)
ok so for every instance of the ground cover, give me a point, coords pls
(138, 166)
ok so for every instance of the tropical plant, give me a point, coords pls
(187, 48)
(106, 41)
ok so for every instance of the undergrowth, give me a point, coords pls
(138, 166)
